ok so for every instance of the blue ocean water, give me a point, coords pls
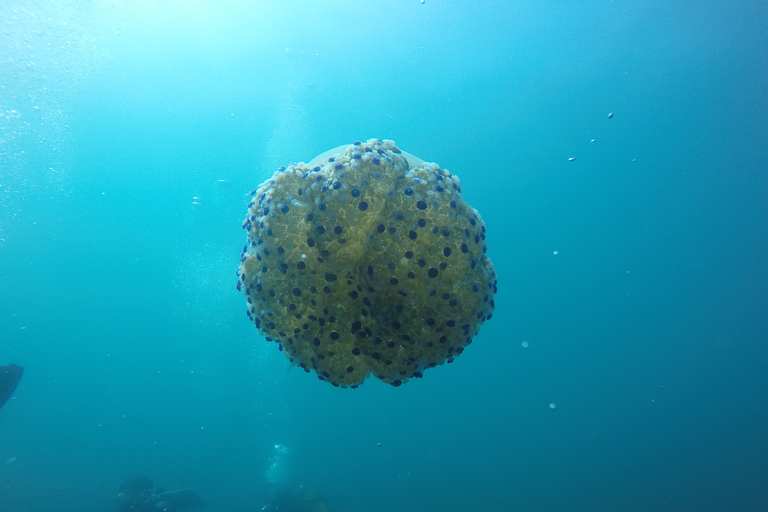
(624, 367)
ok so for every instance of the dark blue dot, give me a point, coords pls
(301, 265)
(421, 223)
(330, 277)
(338, 166)
(432, 272)
(353, 295)
(399, 216)
(408, 191)
(337, 185)
(409, 254)
(412, 235)
(310, 242)
(446, 232)
(334, 335)
(447, 252)
(284, 208)
(421, 205)
(350, 369)
(472, 221)
(439, 187)
(355, 351)
(321, 206)
(411, 275)
(453, 204)
(355, 192)
(464, 248)
(392, 230)
(297, 291)
(380, 228)
(337, 230)
(393, 281)
(376, 160)
(320, 229)
(269, 232)
(363, 206)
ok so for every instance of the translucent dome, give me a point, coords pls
(366, 261)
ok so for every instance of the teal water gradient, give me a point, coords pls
(647, 330)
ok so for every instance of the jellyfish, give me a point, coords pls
(366, 261)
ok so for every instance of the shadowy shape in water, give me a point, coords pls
(9, 378)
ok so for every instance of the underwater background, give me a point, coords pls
(616, 151)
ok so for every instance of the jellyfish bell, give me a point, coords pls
(366, 261)
(323, 157)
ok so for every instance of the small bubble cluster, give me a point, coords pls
(366, 261)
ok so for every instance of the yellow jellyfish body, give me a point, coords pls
(366, 261)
